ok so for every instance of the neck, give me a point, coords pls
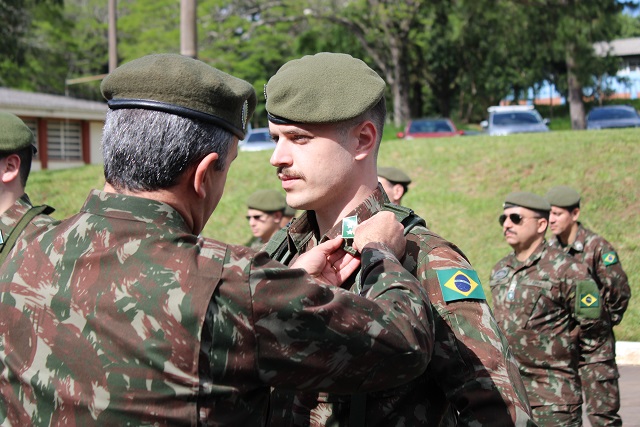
(569, 236)
(523, 252)
(8, 196)
(327, 217)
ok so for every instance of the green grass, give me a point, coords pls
(458, 187)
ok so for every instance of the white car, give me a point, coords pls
(505, 120)
(256, 140)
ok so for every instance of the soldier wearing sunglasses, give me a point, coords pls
(550, 309)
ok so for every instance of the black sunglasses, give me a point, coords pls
(514, 218)
(256, 217)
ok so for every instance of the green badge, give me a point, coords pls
(348, 226)
(610, 258)
(457, 284)
(589, 300)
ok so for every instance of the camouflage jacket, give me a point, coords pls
(471, 368)
(12, 216)
(255, 243)
(120, 316)
(605, 267)
(550, 310)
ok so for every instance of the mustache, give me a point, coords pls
(289, 173)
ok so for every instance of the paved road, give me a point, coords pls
(629, 396)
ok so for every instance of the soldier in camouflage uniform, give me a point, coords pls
(265, 210)
(599, 374)
(549, 308)
(18, 217)
(326, 115)
(124, 315)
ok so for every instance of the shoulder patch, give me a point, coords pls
(609, 258)
(458, 283)
(587, 300)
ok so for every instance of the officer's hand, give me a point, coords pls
(328, 263)
(381, 228)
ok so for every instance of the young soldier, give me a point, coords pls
(326, 113)
(599, 374)
(265, 210)
(549, 308)
(395, 183)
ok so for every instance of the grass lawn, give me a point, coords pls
(458, 186)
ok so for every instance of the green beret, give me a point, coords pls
(323, 88)
(14, 134)
(563, 196)
(267, 201)
(394, 175)
(183, 86)
(527, 200)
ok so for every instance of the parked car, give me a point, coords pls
(257, 139)
(613, 116)
(505, 120)
(429, 128)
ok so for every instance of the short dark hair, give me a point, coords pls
(26, 157)
(376, 114)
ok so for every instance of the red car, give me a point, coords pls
(429, 128)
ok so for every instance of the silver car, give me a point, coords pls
(613, 116)
(505, 120)
(256, 140)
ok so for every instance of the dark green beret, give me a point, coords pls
(14, 134)
(289, 211)
(563, 196)
(323, 88)
(182, 86)
(527, 200)
(267, 201)
(394, 175)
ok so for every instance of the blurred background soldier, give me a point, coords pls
(18, 217)
(600, 372)
(395, 183)
(265, 215)
(549, 307)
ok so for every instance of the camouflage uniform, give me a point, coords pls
(599, 371)
(12, 216)
(549, 308)
(255, 243)
(471, 368)
(120, 316)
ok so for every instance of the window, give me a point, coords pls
(64, 140)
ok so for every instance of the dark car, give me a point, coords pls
(429, 128)
(613, 116)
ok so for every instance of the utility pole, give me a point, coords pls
(113, 38)
(188, 31)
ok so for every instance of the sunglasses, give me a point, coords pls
(256, 217)
(515, 218)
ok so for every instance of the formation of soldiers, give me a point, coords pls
(124, 315)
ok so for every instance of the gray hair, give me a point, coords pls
(147, 150)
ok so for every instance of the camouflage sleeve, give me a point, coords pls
(315, 337)
(472, 362)
(612, 277)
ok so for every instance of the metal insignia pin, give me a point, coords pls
(348, 226)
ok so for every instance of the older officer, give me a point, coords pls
(395, 183)
(123, 315)
(549, 308)
(18, 217)
(327, 112)
(265, 210)
(600, 373)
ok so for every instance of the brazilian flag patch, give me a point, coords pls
(457, 284)
(610, 258)
(591, 300)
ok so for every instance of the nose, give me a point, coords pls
(281, 154)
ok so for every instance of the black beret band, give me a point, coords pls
(146, 104)
(280, 120)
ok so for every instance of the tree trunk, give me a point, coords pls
(576, 105)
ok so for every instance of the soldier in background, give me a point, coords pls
(123, 315)
(288, 215)
(265, 212)
(327, 112)
(549, 307)
(395, 183)
(18, 217)
(599, 373)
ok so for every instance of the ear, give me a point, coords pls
(277, 216)
(367, 139)
(398, 191)
(575, 214)
(543, 223)
(10, 168)
(203, 174)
